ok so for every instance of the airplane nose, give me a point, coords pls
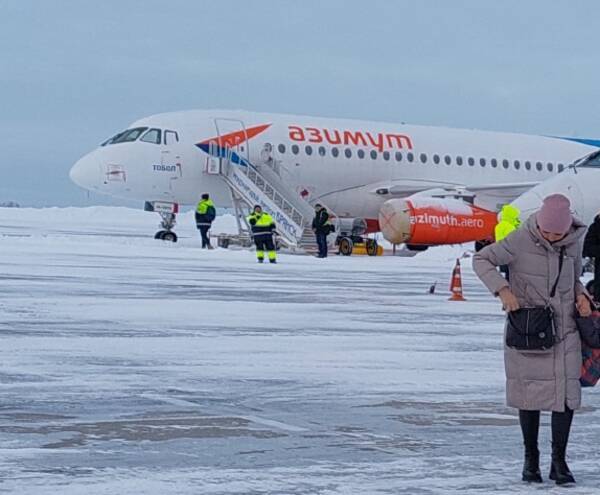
(84, 172)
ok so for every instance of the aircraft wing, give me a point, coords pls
(488, 196)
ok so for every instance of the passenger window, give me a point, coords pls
(436, 159)
(295, 149)
(322, 150)
(335, 152)
(539, 166)
(505, 163)
(386, 155)
(374, 154)
(459, 161)
(528, 165)
(281, 148)
(398, 156)
(423, 158)
(171, 137)
(494, 163)
(361, 154)
(308, 150)
(550, 167)
(517, 164)
(410, 157)
(482, 162)
(447, 159)
(348, 153)
(561, 167)
(471, 161)
(152, 136)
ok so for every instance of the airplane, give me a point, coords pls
(419, 185)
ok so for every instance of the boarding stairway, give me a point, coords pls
(263, 185)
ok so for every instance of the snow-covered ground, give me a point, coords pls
(135, 366)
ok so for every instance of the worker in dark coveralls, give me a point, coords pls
(205, 215)
(322, 228)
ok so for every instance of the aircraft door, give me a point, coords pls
(232, 142)
(170, 157)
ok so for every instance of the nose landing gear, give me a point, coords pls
(167, 212)
(166, 225)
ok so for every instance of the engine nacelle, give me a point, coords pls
(432, 221)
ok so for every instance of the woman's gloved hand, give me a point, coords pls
(509, 301)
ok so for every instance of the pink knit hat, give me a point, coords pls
(555, 214)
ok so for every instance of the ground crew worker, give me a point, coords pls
(509, 222)
(205, 214)
(322, 228)
(263, 228)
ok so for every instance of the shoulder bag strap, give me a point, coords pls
(560, 265)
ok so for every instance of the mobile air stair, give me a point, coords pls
(263, 185)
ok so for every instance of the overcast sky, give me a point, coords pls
(75, 72)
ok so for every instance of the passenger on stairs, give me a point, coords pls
(263, 228)
(205, 214)
(322, 228)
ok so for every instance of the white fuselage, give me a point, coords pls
(351, 166)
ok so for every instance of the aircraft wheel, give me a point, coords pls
(346, 246)
(371, 246)
(169, 236)
(166, 235)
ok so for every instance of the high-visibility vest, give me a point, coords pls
(509, 222)
(203, 205)
(263, 223)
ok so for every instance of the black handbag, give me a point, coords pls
(534, 329)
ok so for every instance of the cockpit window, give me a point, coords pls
(111, 140)
(129, 135)
(592, 160)
(152, 136)
(125, 136)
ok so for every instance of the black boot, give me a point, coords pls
(559, 471)
(531, 467)
(561, 427)
(530, 425)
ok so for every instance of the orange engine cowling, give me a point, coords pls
(431, 221)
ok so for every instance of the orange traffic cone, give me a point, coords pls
(456, 284)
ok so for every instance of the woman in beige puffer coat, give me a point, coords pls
(542, 380)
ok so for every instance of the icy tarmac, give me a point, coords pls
(135, 366)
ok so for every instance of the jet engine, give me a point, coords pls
(426, 221)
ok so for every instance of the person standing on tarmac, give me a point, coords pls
(263, 228)
(591, 249)
(322, 228)
(205, 214)
(509, 222)
(544, 258)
